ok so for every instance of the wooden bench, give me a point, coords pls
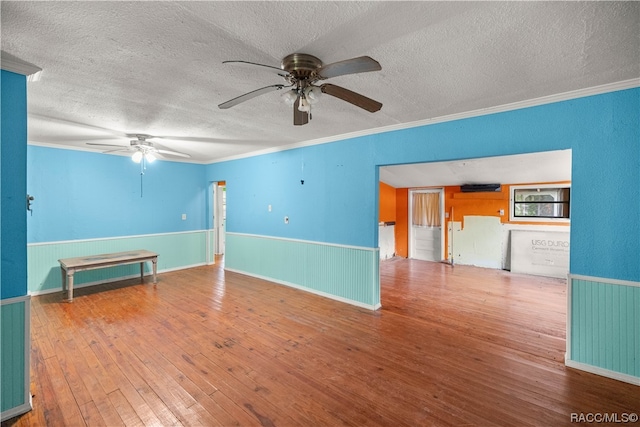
(69, 266)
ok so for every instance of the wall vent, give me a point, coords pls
(479, 188)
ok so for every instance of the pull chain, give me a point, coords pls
(142, 169)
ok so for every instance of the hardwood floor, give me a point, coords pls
(451, 346)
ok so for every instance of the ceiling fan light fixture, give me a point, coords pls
(149, 157)
(304, 105)
(289, 97)
(137, 156)
(313, 94)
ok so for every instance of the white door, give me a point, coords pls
(219, 217)
(426, 216)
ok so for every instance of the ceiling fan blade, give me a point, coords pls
(351, 97)
(249, 95)
(114, 151)
(361, 64)
(54, 139)
(173, 153)
(105, 145)
(299, 117)
(191, 139)
(279, 71)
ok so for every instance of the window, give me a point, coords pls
(540, 203)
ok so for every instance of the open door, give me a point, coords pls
(219, 216)
(426, 218)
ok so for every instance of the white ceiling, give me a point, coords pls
(550, 166)
(112, 68)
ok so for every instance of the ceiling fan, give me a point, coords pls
(143, 150)
(303, 72)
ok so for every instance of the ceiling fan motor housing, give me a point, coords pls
(300, 65)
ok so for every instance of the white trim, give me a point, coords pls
(18, 410)
(362, 248)
(113, 280)
(15, 300)
(568, 340)
(549, 99)
(312, 291)
(603, 372)
(605, 280)
(18, 66)
(99, 239)
(27, 406)
(518, 219)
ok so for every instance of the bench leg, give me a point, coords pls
(142, 272)
(155, 269)
(64, 279)
(70, 286)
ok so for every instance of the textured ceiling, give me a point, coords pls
(112, 68)
(549, 166)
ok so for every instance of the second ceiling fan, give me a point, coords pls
(302, 72)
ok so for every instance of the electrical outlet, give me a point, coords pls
(184, 217)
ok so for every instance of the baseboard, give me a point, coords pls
(603, 372)
(18, 410)
(312, 291)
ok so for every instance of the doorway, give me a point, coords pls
(426, 217)
(219, 216)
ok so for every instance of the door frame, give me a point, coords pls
(219, 223)
(439, 190)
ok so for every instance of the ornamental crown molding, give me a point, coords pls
(16, 65)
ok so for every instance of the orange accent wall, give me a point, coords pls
(463, 204)
(481, 204)
(387, 203)
(402, 222)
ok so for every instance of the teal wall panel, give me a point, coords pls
(348, 273)
(211, 245)
(175, 251)
(14, 334)
(605, 325)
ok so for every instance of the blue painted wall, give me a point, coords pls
(337, 202)
(85, 195)
(14, 335)
(13, 268)
(334, 205)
